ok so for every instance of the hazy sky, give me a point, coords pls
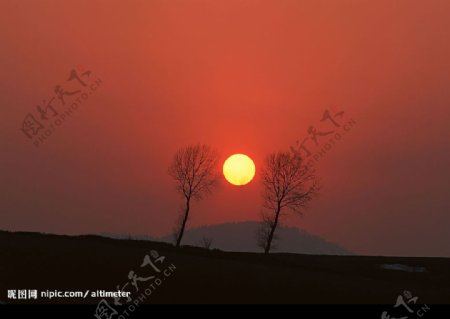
(242, 76)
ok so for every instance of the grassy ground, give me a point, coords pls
(196, 275)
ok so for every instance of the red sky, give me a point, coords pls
(241, 76)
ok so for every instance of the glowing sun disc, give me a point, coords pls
(239, 169)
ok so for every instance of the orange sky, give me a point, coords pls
(242, 76)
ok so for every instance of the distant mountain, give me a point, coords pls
(242, 237)
(123, 236)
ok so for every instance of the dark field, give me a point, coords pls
(49, 262)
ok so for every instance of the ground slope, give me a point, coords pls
(47, 262)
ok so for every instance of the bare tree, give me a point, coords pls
(264, 230)
(288, 184)
(194, 169)
(206, 242)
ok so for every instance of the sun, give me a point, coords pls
(239, 169)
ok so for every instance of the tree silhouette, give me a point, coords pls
(288, 184)
(206, 242)
(194, 169)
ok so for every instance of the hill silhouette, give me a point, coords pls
(79, 263)
(241, 237)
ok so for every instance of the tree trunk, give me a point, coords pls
(272, 230)
(183, 225)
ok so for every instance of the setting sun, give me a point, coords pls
(239, 169)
